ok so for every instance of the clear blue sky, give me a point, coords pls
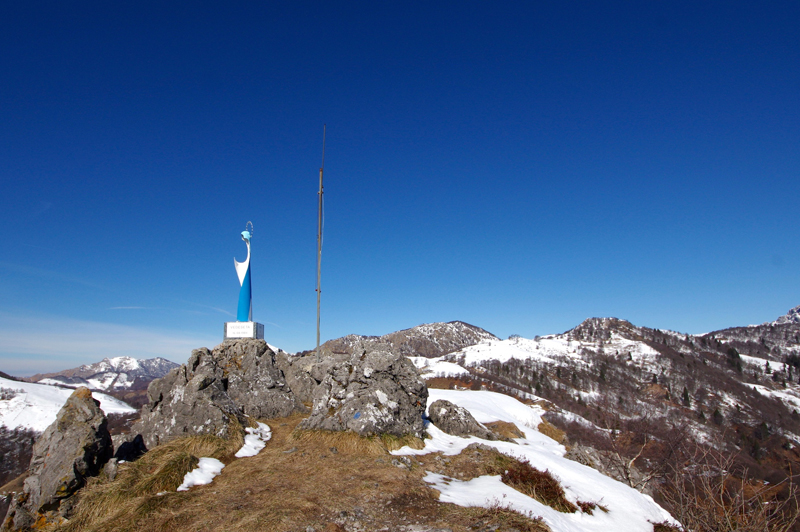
(520, 166)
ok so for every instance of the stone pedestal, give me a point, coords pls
(244, 329)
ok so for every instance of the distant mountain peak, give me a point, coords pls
(426, 340)
(793, 316)
(115, 373)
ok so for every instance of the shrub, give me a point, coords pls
(540, 485)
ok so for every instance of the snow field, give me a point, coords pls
(36, 405)
(628, 510)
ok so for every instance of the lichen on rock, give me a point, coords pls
(370, 392)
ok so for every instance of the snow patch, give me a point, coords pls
(255, 440)
(204, 473)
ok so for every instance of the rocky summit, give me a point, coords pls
(215, 392)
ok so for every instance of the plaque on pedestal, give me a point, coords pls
(244, 329)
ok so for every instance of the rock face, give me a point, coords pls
(73, 448)
(457, 421)
(215, 392)
(372, 391)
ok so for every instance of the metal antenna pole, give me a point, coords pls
(319, 238)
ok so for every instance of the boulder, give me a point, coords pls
(372, 391)
(457, 421)
(215, 392)
(73, 448)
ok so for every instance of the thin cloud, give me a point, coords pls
(29, 343)
(217, 309)
(47, 274)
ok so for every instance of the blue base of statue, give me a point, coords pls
(243, 329)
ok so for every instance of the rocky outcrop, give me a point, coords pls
(215, 392)
(372, 391)
(73, 448)
(457, 421)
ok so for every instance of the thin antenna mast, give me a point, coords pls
(319, 238)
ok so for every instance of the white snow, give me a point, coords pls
(204, 473)
(36, 405)
(788, 396)
(255, 440)
(628, 510)
(435, 367)
(550, 349)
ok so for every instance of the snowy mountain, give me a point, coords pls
(110, 374)
(623, 392)
(34, 406)
(793, 316)
(427, 340)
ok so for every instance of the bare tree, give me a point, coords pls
(707, 494)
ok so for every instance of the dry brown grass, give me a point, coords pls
(302, 478)
(505, 429)
(14, 485)
(110, 505)
(551, 431)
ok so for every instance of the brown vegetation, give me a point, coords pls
(301, 479)
(707, 492)
(505, 429)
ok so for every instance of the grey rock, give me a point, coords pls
(299, 374)
(372, 391)
(215, 392)
(457, 421)
(111, 468)
(72, 449)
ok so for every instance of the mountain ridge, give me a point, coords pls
(110, 374)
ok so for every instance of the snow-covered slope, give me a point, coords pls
(34, 406)
(118, 373)
(628, 510)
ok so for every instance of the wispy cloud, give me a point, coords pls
(47, 274)
(217, 309)
(34, 344)
(134, 308)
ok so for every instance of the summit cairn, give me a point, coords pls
(371, 392)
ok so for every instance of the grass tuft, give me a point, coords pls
(506, 430)
(134, 490)
(540, 485)
(549, 430)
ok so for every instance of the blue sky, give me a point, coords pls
(519, 166)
